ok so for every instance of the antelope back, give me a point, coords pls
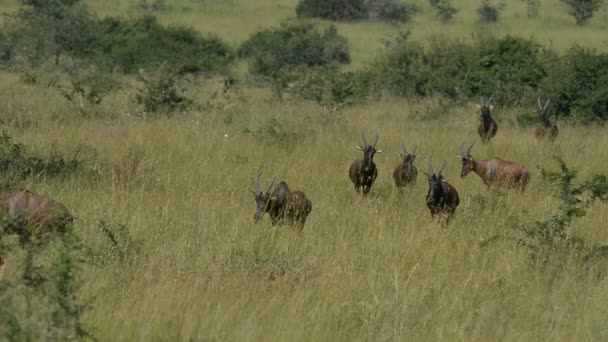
(42, 214)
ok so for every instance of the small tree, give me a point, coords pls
(582, 10)
(489, 12)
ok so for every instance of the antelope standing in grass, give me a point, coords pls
(363, 172)
(487, 127)
(283, 204)
(497, 172)
(406, 173)
(544, 128)
(40, 214)
(442, 198)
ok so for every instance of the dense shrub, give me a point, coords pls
(582, 10)
(332, 9)
(391, 10)
(578, 85)
(162, 93)
(144, 43)
(273, 50)
(507, 66)
(445, 10)
(489, 12)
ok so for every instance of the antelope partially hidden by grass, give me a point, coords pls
(283, 204)
(494, 172)
(442, 198)
(544, 128)
(406, 173)
(40, 214)
(363, 172)
(487, 127)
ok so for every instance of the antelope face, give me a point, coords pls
(468, 162)
(262, 198)
(408, 164)
(435, 189)
(368, 151)
(485, 107)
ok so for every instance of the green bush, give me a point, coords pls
(144, 43)
(489, 12)
(582, 10)
(577, 84)
(391, 10)
(270, 51)
(332, 9)
(162, 93)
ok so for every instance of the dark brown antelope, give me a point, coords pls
(494, 172)
(487, 127)
(283, 205)
(442, 198)
(363, 172)
(544, 127)
(406, 173)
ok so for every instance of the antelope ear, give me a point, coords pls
(459, 157)
(379, 151)
(478, 106)
(251, 191)
(359, 148)
(491, 106)
(426, 173)
(273, 198)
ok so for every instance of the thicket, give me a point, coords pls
(275, 50)
(64, 32)
(341, 10)
(582, 10)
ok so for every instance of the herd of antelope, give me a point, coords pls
(287, 206)
(442, 199)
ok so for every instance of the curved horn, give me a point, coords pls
(540, 106)
(375, 140)
(547, 104)
(257, 182)
(490, 100)
(462, 150)
(403, 149)
(430, 165)
(364, 138)
(481, 101)
(469, 150)
(414, 149)
(271, 183)
(442, 167)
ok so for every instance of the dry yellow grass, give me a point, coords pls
(363, 269)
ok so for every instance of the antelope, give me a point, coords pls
(495, 171)
(487, 127)
(41, 214)
(442, 198)
(545, 128)
(283, 205)
(405, 173)
(363, 172)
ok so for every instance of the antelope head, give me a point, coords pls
(368, 150)
(542, 111)
(485, 106)
(262, 198)
(468, 162)
(435, 179)
(408, 159)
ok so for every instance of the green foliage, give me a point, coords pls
(552, 239)
(532, 7)
(16, 164)
(391, 10)
(332, 9)
(144, 43)
(577, 84)
(162, 93)
(445, 10)
(508, 66)
(117, 249)
(489, 12)
(40, 301)
(582, 10)
(271, 51)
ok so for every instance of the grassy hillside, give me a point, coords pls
(363, 269)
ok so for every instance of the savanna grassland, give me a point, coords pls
(197, 268)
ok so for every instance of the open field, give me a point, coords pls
(363, 269)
